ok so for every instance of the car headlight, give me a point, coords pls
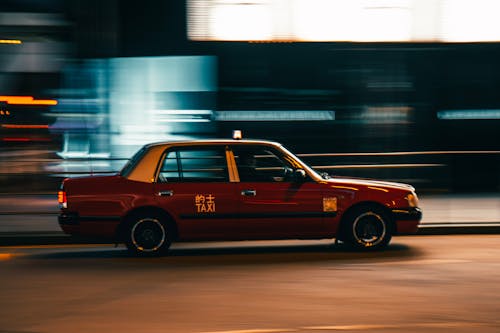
(412, 200)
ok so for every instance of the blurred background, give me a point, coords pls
(401, 90)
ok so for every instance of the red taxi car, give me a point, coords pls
(232, 190)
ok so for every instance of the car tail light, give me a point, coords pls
(61, 198)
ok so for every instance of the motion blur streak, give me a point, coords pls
(257, 330)
(344, 20)
(403, 153)
(5, 256)
(10, 41)
(369, 327)
(27, 100)
(16, 139)
(105, 113)
(24, 126)
(468, 114)
(377, 166)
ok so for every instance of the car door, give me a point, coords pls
(272, 204)
(195, 187)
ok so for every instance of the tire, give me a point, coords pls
(368, 228)
(148, 236)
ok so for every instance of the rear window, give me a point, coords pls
(133, 162)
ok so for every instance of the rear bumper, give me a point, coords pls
(407, 220)
(68, 219)
(101, 226)
(69, 223)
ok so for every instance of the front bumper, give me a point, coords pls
(407, 220)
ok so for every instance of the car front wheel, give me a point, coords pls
(368, 228)
(148, 236)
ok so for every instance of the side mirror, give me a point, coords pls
(299, 175)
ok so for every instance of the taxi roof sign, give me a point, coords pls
(237, 135)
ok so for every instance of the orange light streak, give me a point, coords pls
(10, 41)
(5, 256)
(27, 100)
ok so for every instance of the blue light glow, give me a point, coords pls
(469, 114)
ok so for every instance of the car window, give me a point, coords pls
(260, 164)
(133, 162)
(194, 165)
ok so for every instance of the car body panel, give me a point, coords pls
(202, 210)
(284, 210)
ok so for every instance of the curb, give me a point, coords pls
(46, 238)
(459, 228)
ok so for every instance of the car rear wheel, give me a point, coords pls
(368, 228)
(148, 236)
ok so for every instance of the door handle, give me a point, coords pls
(249, 193)
(168, 193)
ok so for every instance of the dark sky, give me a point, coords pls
(152, 27)
(48, 6)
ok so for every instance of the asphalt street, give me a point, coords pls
(419, 284)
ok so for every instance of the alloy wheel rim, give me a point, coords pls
(369, 229)
(148, 235)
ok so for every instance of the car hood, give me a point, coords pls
(370, 182)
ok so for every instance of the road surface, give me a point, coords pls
(419, 284)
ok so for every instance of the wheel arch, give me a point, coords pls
(145, 211)
(344, 221)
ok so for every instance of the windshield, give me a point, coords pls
(303, 165)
